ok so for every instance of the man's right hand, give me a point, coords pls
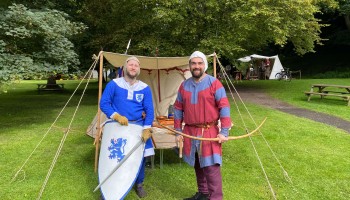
(121, 119)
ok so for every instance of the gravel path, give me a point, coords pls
(256, 96)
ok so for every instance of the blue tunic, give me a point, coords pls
(129, 101)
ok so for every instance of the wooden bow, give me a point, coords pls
(214, 139)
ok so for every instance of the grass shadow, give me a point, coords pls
(23, 105)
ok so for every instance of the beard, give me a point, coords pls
(197, 73)
(131, 76)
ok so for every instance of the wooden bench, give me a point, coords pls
(253, 77)
(327, 93)
(296, 72)
(50, 87)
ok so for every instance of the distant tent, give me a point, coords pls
(275, 63)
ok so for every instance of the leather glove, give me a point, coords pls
(146, 134)
(121, 119)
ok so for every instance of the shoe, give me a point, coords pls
(199, 196)
(148, 162)
(140, 191)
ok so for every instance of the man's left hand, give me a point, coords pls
(222, 138)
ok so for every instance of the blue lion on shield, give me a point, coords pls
(117, 149)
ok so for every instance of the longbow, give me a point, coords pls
(214, 139)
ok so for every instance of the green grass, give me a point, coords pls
(316, 156)
(293, 93)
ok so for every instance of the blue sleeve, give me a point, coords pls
(224, 131)
(178, 110)
(148, 107)
(107, 99)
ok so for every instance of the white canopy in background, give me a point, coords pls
(276, 67)
(245, 59)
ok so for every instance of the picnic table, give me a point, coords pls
(323, 90)
(50, 87)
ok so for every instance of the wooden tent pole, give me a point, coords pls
(99, 131)
(214, 64)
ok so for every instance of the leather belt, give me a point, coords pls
(204, 125)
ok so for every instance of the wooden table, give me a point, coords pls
(341, 91)
(162, 139)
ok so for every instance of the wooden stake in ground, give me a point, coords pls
(97, 139)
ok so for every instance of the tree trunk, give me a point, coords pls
(347, 21)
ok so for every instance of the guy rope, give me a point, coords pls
(66, 132)
(231, 88)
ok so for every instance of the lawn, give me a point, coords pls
(315, 156)
(293, 93)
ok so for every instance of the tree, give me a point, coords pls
(344, 9)
(36, 43)
(231, 28)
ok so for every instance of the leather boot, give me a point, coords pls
(198, 196)
(140, 191)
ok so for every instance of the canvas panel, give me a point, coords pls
(118, 60)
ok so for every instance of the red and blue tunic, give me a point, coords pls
(198, 104)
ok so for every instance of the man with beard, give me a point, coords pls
(200, 104)
(127, 99)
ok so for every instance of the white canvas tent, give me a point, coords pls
(163, 74)
(276, 63)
